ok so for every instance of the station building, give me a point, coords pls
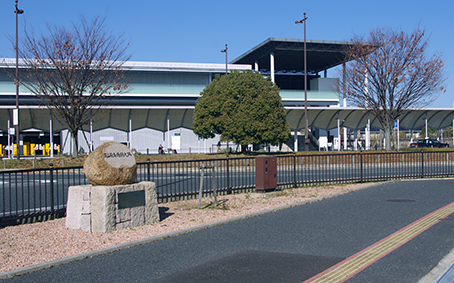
(158, 108)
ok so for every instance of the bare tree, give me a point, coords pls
(75, 71)
(390, 72)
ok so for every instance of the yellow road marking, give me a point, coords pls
(358, 262)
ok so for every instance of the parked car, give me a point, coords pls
(428, 143)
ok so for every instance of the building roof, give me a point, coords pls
(117, 117)
(357, 118)
(289, 54)
(8, 63)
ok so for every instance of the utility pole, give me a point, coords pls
(17, 11)
(226, 65)
(306, 130)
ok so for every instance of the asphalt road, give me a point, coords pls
(30, 193)
(289, 245)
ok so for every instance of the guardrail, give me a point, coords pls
(40, 194)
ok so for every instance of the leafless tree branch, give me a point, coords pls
(75, 71)
(391, 71)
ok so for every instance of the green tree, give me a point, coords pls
(390, 72)
(444, 133)
(432, 133)
(447, 133)
(242, 107)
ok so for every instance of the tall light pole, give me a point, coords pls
(226, 72)
(17, 11)
(226, 66)
(306, 130)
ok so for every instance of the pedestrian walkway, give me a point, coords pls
(293, 244)
(372, 254)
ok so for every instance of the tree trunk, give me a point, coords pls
(88, 142)
(388, 137)
(75, 144)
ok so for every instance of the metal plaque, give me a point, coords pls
(131, 199)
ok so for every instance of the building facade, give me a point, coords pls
(158, 107)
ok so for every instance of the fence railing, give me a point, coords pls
(43, 193)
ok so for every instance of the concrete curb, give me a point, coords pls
(44, 265)
(440, 269)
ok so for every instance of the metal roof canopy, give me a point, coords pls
(289, 54)
(357, 118)
(181, 117)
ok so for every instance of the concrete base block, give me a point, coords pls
(78, 208)
(110, 208)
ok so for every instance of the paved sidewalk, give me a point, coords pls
(289, 244)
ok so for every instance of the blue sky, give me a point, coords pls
(196, 31)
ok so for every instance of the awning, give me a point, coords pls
(156, 118)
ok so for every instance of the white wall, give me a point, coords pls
(144, 140)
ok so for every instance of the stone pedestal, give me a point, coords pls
(110, 208)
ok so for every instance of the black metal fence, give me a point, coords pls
(43, 193)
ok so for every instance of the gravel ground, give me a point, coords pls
(30, 244)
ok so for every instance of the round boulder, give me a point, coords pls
(111, 164)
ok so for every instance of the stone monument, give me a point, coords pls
(111, 164)
(113, 201)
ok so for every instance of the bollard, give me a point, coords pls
(422, 163)
(294, 170)
(213, 176)
(148, 169)
(229, 189)
(52, 211)
(201, 185)
(361, 164)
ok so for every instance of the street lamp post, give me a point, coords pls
(226, 66)
(306, 130)
(17, 11)
(226, 72)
